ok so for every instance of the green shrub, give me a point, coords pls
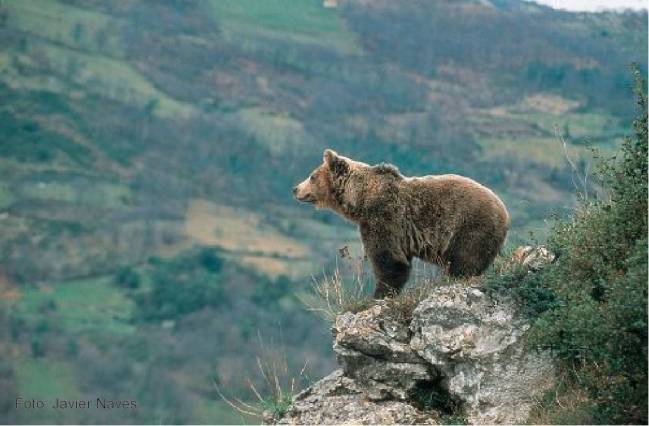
(210, 260)
(127, 277)
(596, 321)
(268, 292)
(37, 346)
(528, 289)
(182, 285)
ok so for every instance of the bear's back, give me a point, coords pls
(455, 199)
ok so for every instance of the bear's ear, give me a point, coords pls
(338, 165)
(329, 156)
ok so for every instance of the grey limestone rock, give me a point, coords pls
(337, 399)
(459, 343)
(478, 346)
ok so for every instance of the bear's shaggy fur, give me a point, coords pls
(448, 220)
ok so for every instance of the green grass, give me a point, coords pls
(102, 195)
(584, 129)
(581, 126)
(90, 305)
(304, 21)
(112, 78)
(279, 132)
(6, 196)
(74, 59)
(49, 191)
(307, 17)
(65, 24)
(106, 195)
(547, 151)
(45, 379)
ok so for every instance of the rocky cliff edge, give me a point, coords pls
(458, 355)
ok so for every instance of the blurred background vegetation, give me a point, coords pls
(148, 239)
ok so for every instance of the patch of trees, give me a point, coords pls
(181, 285)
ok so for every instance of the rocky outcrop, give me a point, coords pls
(477, 346)
(458, 352)
(338, 399)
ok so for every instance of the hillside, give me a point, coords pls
(147, 151)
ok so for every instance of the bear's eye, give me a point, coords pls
(312, 178)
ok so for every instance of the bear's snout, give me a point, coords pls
(302, 192)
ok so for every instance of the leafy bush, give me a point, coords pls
(527, 288)
(182, 285)
(127, 277)
(268, 292)
(597, 324)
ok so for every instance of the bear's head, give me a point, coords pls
(326, 185)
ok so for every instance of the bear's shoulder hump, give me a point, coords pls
(387, 169)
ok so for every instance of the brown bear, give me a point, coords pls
(448, 220)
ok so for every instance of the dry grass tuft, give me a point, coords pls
(337, 293)
(279, 386)
(349, 290)
(402, 306)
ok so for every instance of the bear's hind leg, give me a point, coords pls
(472, 254)
(390, 274)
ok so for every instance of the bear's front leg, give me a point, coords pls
(390, 273)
